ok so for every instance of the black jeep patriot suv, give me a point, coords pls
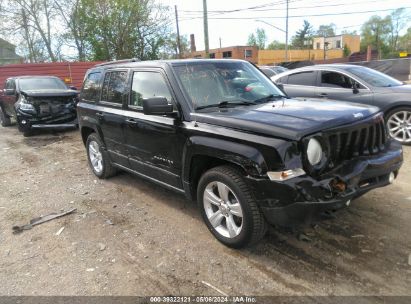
(223, 134)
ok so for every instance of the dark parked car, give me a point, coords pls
(223, 134)
(271, 70)
(38, 102)
(355, 84)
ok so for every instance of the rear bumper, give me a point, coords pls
(303, 198)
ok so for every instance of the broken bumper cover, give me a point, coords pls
(303, 198)
(64, 119)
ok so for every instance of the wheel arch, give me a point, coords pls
(202, 153)
(87, 129)
(396, 105)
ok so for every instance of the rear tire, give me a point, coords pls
(98, 158)
(399, 125)
(5, 120)
(229, 209)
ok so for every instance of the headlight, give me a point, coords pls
(24, 105)
(314, 152)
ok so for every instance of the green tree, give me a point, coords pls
(169, 49)
(326, 30)
(119, 29)
(376, 32)
(252, 41)
(303, 36)
(346, 51)
(72, 13)
(404, 43)
(276, 45)
(398, 20)
(259, 39)
(349, 32)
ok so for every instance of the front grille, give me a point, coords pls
(366, 138)
(51, 106)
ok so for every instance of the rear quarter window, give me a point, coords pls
(90, 91)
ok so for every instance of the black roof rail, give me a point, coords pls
(118, 61)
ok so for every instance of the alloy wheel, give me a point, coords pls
(96, 158)
(223, 209)
(399, 126)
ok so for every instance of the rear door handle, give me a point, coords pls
(323, 94)
(131, 121)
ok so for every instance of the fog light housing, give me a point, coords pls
(391, 177)
(23, 122)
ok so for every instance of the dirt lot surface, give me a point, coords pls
(130, 237)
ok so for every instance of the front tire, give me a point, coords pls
(98, 158)
(229, 209)
(399, 125)
(5, 121)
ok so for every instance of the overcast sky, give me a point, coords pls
(345, 15)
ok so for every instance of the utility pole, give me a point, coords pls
(205, 17)
(286, 34)
(178, 34)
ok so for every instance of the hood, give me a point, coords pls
(401, 89)
(49, 93)
(288, 118)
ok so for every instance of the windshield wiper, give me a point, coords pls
(269, 98)
(223, 104)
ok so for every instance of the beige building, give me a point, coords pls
(338, 42)
(268, 57)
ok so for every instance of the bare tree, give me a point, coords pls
(31, 18)
(72, 12)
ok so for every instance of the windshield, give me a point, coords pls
(41, 83)
(279, 69)
(373, 77)
(210, 83)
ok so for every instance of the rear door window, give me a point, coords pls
(114, 87)
(303, 78)
(147, 84)
(335, 80)
(90, 91)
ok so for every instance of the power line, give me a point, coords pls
(316, 6)
(241, 9)
(314, 15)
(257, 8)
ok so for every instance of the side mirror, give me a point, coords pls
(9, 92)
(157, 105)
(281, 87)
(355, 87)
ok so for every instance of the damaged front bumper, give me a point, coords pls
(302, 198)
(63, 119)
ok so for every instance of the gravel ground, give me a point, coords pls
(130, 237)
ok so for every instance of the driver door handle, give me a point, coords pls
(323, 94)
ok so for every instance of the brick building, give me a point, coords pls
(249, 53)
